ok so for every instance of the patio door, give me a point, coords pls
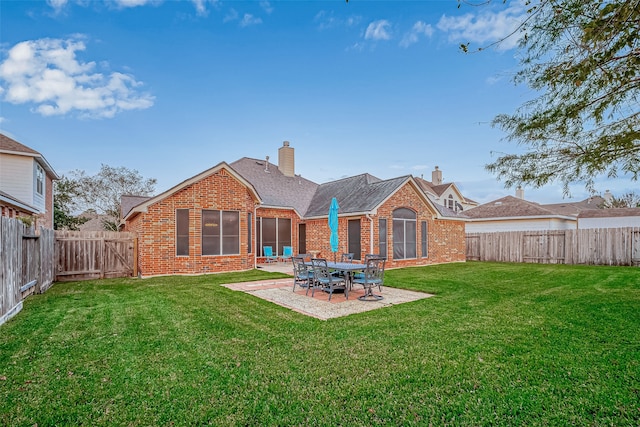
(354, 241)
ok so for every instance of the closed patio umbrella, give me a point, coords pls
(333, 226)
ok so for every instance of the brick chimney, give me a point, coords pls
(286, 159)
(436, 176)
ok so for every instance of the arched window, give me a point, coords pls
(404, 233)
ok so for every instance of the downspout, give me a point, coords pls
(254, 239)
(370, 233)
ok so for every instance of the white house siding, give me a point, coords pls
(609, 222)
(16, 177)
(525, 224)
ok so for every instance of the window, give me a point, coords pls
(450, 202)
(382, 236)
(274, 232)
(220, 232)
(182, 232)
(39, 180)
(404, 233)
(425, 239)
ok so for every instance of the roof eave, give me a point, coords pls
(39, 158)
(17, 203)
(142, 207)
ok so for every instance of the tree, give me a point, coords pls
(628, 200)
(66, 193)
(583, 58)
(102, 192)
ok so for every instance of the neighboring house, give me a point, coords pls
(220, 219)
(609, 218)
(94, 221)
(26, 183)
(445, 194)
(516, 214)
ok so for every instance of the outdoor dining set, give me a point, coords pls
(318, 274)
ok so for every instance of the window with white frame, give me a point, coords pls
(404, 234)
(39, 180)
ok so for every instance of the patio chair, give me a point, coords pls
(323, 279)
(287, 253)
(302, 273)
(373, 276)
(305, 257)
(346, 257)
(367, 257)
(267, 252)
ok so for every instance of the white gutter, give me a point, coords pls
(370, 233)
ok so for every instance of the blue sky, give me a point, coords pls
(171, 88)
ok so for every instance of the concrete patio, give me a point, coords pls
(280, 291)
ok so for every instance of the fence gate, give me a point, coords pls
(473, 247)
(94, 255)
(30, 263)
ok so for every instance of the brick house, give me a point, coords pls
(26, 183)
(220, 219)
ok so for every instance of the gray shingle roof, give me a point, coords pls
(508, 206)
(609, 213)
(574, 208)
(357, 194)
(128, 202)
(273, 187)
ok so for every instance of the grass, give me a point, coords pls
(499, 344)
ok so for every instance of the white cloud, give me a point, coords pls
(329, 20)
(418, 29)
(47, 73)
(231, 15)
(378, 30)
(249, 19)
(132, 3)
(57, 5)
(201, 6)
(486, 27)
(266, 6)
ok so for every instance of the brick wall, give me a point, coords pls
(280, 213)
(446, 238)
(156, 228)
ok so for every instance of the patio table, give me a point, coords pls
(348, 268)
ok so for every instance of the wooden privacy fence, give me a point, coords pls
(597, 246)
(27, 264)
(82, 255)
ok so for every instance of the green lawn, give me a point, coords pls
(499, 344)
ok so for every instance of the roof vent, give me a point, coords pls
(266, 166)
